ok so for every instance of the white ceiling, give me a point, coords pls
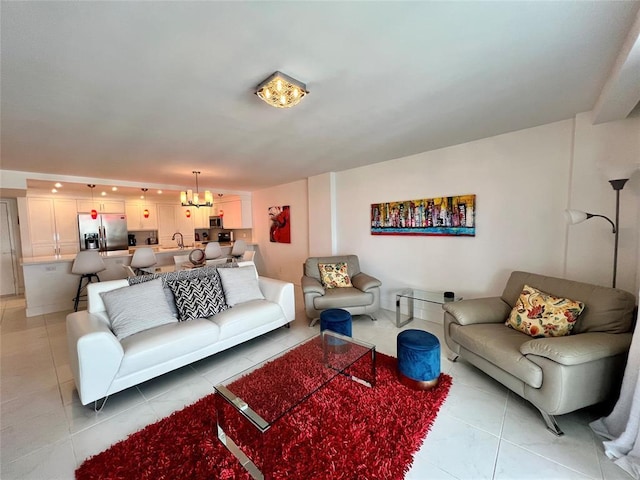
(146, 92)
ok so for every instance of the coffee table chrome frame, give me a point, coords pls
(262, 425)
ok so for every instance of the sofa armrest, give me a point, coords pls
(478, 310)
(279, 292)
(95, 354)
(580, 348)
(365, 282)
(311, 285)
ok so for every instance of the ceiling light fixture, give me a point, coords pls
(281, 91)
(144, 192)
(190, 198)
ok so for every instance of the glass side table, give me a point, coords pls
(412, 295)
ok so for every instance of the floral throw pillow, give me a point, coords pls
(334, 275)
(541, 314)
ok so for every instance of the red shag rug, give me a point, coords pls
(344, 431)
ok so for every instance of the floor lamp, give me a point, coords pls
(577, 216)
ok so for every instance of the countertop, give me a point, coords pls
(158, 250)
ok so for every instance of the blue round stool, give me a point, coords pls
(336, 320)
(418, 359)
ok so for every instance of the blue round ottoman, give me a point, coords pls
(336, 320)
(418, 359)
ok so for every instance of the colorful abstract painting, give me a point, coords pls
(280, 229)
(452, 216)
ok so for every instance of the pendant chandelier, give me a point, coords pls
(94, 212)
(190, 198)
(281, 91)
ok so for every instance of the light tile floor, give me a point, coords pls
(482, 430)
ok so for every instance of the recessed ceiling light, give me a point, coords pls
(114, 189)
(53, 190)
(159, 192)
(104, 194)
(58, 185)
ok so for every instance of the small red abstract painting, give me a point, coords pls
(280, 230)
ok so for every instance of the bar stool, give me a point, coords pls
(143, 258)
(87, 264)
(214, 254)
(238, 249)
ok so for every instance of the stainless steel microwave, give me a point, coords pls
(215, 222)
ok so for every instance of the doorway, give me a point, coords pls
(8, 254)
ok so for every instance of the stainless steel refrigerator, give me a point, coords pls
(107, 232)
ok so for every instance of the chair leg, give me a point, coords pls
(552, 426)
(76, 300)
(89, 278)
(98, 405)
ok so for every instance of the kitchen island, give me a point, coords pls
(50, 286)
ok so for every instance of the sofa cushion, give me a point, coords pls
(197, 298)
(136, 308)
(240, 285)
(311, 265)
(501, 346)
(606, 309)
(168, 277)
(334, 275)
(246, 316)
(165, 344)
(343, 297)
(540, 314)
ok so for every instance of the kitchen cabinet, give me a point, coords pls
(101, 206)
(53, 226)
(185, 225)
(136, 219)
(236, 213)
(172, 219)
(201, 217)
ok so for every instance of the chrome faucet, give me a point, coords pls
(180, 240)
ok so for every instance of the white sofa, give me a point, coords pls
(103, 365)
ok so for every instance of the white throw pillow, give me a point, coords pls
(137, 307)
(240, 285)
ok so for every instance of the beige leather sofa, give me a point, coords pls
(363, 298)
(557, 375)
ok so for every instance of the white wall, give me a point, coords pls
(322, 215)
(599, 151)
(520, 180)
(523, 180)
(282, 260)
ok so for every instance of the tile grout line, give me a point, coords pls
(504, 418)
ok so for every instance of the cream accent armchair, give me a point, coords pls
(559, 374)
(363, 298)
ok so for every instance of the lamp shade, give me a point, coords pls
(575, 216)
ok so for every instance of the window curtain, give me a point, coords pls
(622, 426)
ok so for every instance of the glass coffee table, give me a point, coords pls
(250, 403)
(412, 295)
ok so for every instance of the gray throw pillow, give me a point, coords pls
(136, 308)
(240, 285)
